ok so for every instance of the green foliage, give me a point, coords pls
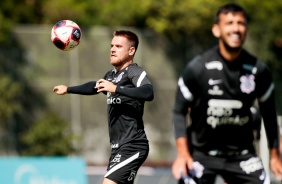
(20, 101)
(188, 16)
(177, 18)
(15, 11)
(50, 136)
(10, 93)
(98, 12)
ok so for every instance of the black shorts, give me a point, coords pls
(125, 162)
(244, 168)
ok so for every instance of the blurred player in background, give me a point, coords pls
(127, 88)
(219, 87)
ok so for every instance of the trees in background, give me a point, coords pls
(50, 136)
(180, 20)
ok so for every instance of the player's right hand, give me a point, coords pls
(60, 89)
(180, 166)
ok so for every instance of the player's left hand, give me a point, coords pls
(276, 167)
(104, 85)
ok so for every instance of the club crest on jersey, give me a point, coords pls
(119, 77)
(247, 83)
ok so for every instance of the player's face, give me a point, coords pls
(121, 51)
(232, 30)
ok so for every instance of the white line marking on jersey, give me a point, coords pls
(267, 94)
(142, 76)
(184, 90)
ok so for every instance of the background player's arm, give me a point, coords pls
(268, 112)
(184, 158)
(266, 100)
(183, 101)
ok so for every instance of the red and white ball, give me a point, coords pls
(66, 35)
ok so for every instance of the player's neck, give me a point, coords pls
(229, 54)
(124, 65)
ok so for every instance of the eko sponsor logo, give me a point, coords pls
(112, 100)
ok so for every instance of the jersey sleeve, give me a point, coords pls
(143, 88)
(144, 92)
(138, 76)
(266, 101)
(264, 82)
(83, 89)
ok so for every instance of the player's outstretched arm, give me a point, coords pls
(83, 89)
(60, 89)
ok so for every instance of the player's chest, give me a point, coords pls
(120, 78)
(227, 82)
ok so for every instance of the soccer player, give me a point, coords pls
(219, 87)
(127, 88)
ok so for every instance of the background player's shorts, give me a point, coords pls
(125, 162)
(247, 168)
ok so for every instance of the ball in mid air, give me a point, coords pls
(66, 35)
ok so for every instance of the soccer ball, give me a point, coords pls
(66, 35)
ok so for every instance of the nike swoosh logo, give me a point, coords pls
(214, 82)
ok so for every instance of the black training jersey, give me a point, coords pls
(220, 95)
(125, 113)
